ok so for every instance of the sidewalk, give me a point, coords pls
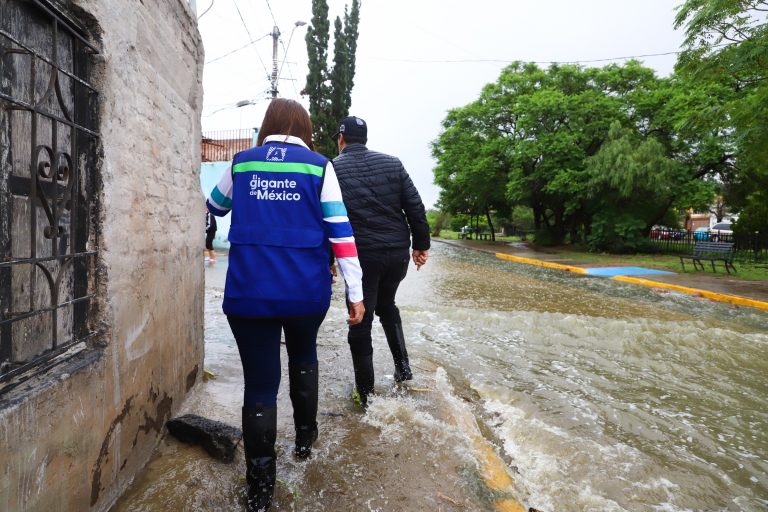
(715, 284)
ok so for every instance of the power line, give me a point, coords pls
(506, 61)
(246, 45)
(271, 13)
(250, 36)
(510, 61)
(239, 104)
(205, 11)
(293, 83)
(285, 50)
(241, 19)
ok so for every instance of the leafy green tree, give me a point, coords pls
(330, 90)
(470, 167)
(727, 43)
(524, 142)
(598, 155)
(671, 154)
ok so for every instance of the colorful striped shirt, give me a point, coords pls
(334, 215)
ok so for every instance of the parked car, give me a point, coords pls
(665, 233)
(720, 230)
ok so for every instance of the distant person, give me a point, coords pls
(385, 211)
(210, 234)
(286, 211)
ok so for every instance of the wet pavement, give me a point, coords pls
(718, 283)
(532, 387)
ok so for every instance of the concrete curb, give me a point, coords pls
(548, 264)
(720, 297)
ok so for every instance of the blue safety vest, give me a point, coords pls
(278, 259)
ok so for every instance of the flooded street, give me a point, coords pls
(595, 395)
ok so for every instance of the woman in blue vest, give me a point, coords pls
(287, 214)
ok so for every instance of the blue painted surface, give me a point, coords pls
(210, 173)
(624, 271)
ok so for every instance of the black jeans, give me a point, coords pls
(382, 272)
(258, 340)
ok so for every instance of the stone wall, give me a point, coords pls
(73, 439)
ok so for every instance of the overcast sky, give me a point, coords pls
(417, 59)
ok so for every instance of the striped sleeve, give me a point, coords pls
(340, 234)
(219, 202)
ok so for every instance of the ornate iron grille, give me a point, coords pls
(48, 153)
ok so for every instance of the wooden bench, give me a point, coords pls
(483, 236)
(712, 252)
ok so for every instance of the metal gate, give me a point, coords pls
(48, 209)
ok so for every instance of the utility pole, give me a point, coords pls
(275, 35)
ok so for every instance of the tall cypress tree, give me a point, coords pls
(339, 77)
(351, 22)
(330, 90)
(317, 88)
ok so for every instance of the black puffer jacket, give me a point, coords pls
(381, 200)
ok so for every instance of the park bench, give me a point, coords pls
(712, 252)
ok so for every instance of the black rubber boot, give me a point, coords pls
(259, 433)
(396, 341)
(303, 392)
(363, 376)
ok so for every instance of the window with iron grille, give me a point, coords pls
(48, 158)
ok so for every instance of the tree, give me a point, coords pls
(524, 142)
(598, 155)
(330, 90)
(351, 23)
(317, 88)
(727, 43)
(470, 167)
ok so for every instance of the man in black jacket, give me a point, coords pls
(385, 211)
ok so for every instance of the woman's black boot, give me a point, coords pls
(259, 434)
(303, 383)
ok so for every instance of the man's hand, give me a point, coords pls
(356, 312)
(334, 273)
(420, 258)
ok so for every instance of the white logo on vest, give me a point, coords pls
(276, 154)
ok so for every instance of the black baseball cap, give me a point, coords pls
(353, 127)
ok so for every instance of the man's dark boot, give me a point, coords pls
(396, 341)
(259, 433)
(363, 376)
(303, 392)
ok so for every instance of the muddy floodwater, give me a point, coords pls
(593, 394)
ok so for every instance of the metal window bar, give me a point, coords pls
(48, 152)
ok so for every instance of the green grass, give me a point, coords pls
(670, 262)
(745, 271)
(454, 235)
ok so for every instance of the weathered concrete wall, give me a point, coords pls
(74, 440)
